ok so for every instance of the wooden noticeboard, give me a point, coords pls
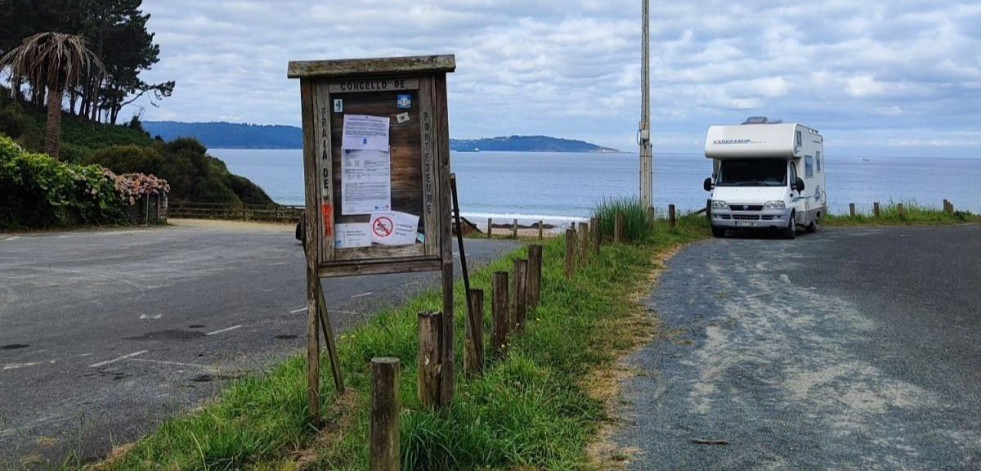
(410, 92)
(376, 164)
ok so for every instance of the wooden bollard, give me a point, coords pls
(490, 227)
(595, 236)
(950, 207)
(385, 414)
(618, 228)
(514, 229)
(851, 209)
(474, 362)
(875, 209)
(499, 313)
(671, 215)
(534, 275)
(570, 253)
(519, 312)
(541, 230)
(901, 210)
(583, 248)
(430, 327)
(651, 214)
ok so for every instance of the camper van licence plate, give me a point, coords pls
(745, 223)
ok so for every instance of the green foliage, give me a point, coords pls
(637, 225)
(193, 175)
(80, 138)
(38, 191)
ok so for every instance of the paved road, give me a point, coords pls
(846, 349)
(105, 334)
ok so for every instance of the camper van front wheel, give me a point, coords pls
(791, 231)
(718, 231)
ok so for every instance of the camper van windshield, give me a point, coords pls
(752, 172)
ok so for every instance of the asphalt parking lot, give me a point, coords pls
(104, 334)
(852, 348)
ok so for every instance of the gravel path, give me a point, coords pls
(846, 349)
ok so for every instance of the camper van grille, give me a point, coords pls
(745, 217)
(746, 207)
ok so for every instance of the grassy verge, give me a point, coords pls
(530, 410)
(913, 214)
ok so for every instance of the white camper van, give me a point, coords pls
(766, 175)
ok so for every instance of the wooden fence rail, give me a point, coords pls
(248, 212)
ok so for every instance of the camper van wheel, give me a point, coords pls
(301, 234)
(718, 231)
(791, 231)
(812, 227)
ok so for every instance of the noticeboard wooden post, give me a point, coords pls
(376, 171)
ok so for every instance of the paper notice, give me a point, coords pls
(365, 132)
(394, 228)
(352, 235)
(366, 181)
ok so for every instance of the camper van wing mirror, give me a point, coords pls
(708, 184)
(799, 184)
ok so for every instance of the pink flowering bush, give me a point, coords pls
(38, 191)
(132, 186)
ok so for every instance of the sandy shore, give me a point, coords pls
(227, 224)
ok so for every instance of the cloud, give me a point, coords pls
(572, 68)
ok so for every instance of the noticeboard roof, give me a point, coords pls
(370, 67)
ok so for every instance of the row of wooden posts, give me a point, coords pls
(877, 210)
(514, 229)
(513, 296)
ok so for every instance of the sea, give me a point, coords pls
(561, 187)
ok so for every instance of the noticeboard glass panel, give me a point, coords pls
(376, 169)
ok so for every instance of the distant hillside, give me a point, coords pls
(230, 135)
(254, 136)
(526, 144)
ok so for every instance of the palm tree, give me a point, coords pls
(57, 61)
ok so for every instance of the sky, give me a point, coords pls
(888, 78)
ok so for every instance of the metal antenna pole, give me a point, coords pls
(644, 134)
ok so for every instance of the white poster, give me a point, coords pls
(365, 132)
(394, 228)
(352, 235)
(366, 181)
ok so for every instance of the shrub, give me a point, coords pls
(38, 191)
(193, 175)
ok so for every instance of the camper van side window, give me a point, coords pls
(808, 166)
(818, 158)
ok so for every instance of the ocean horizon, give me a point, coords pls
(560, 187)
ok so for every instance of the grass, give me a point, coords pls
(889, 215)
(636, 220)
(530, 410)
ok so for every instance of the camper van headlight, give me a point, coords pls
(774, 205)
(719, 204)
